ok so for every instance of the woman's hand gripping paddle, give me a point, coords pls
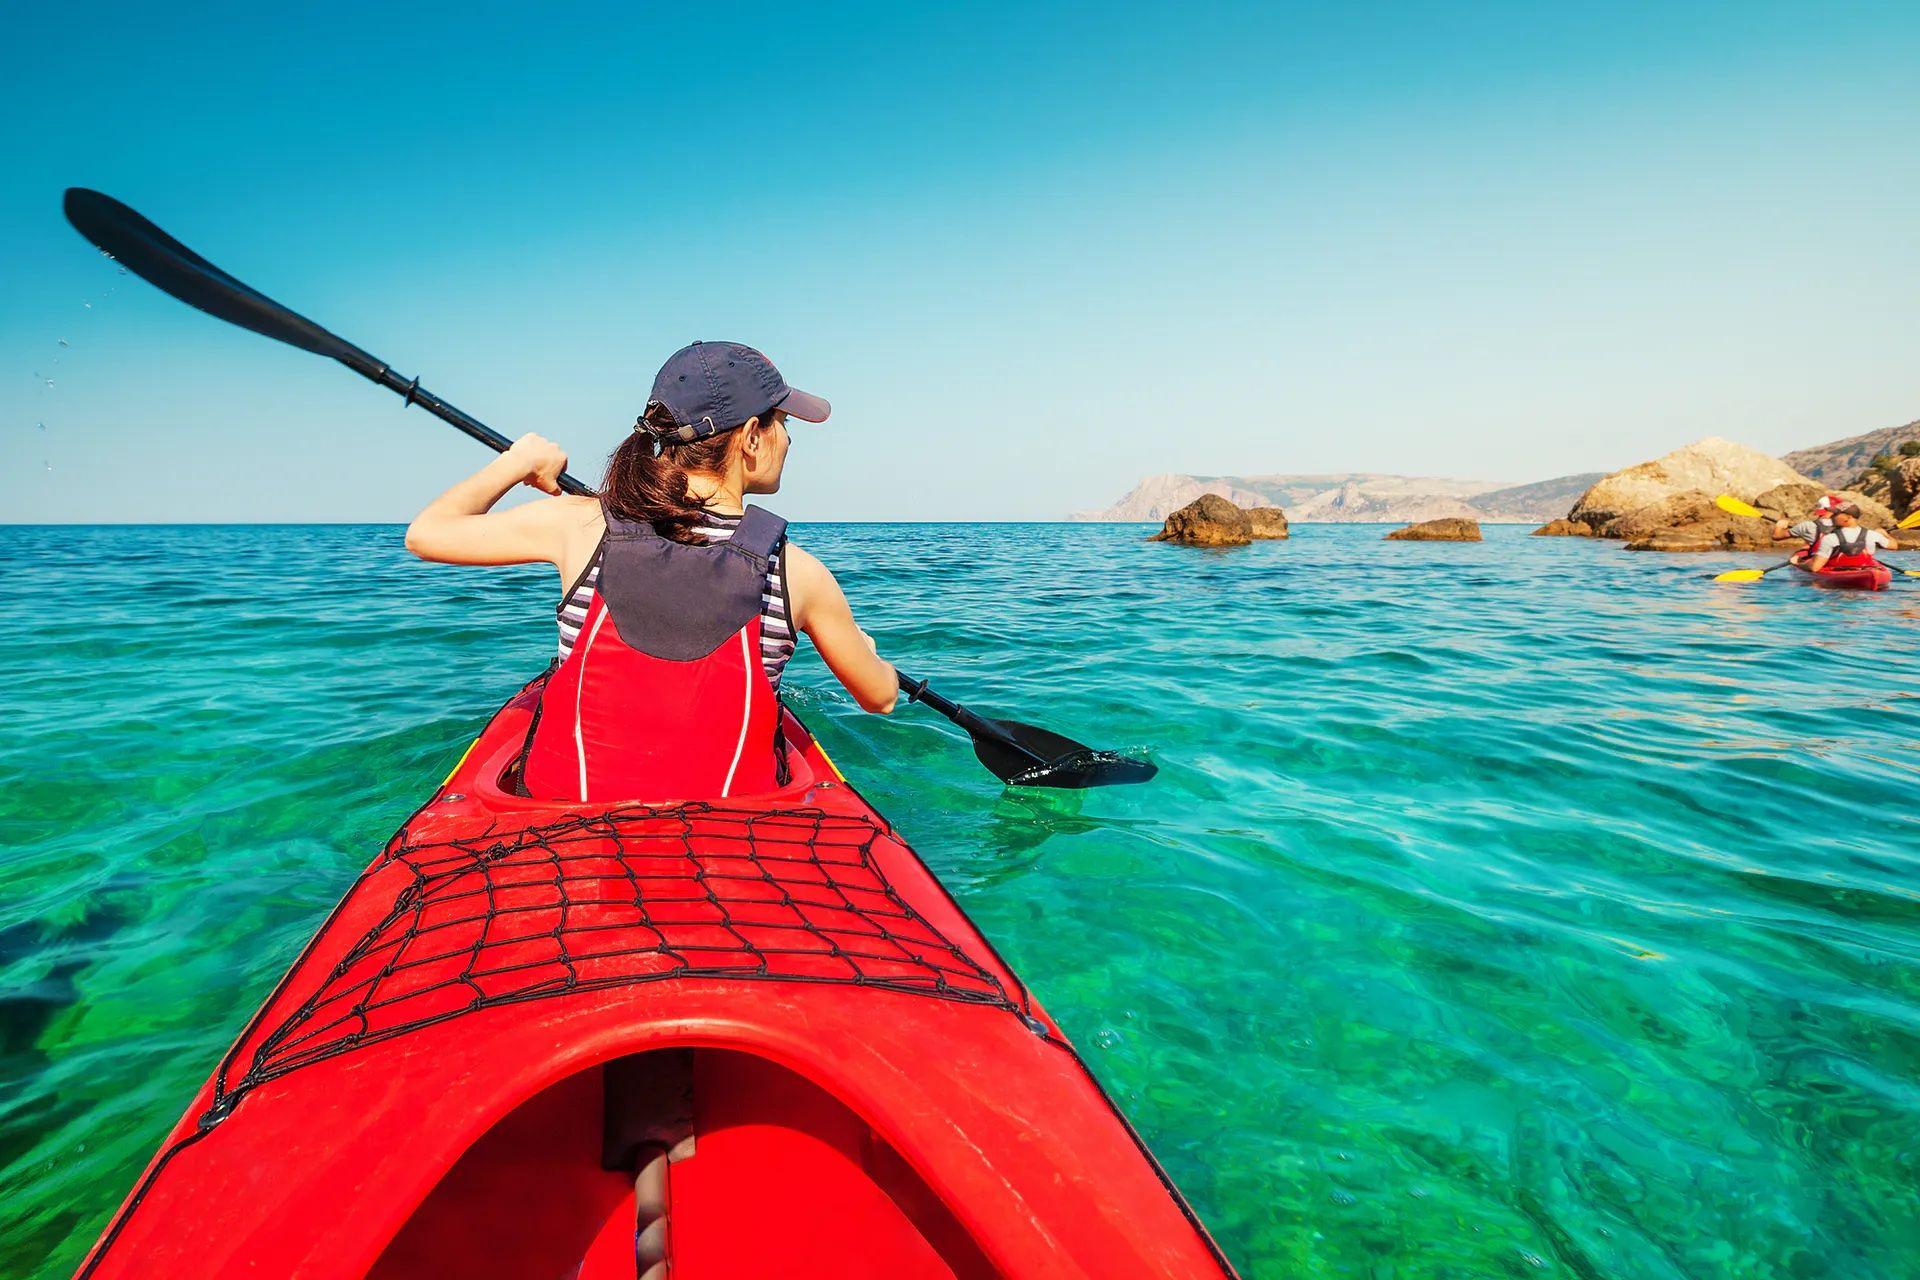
(1017, 753)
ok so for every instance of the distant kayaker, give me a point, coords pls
(1848, 546)
(1812, 529)
(680, 603)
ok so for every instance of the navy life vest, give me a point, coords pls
(1850, 552)
(664, 696)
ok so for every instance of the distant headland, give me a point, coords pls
(1376, 498)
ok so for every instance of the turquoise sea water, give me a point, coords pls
(1527, 908)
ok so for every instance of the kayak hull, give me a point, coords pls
(1876, 577)
(869, 1089)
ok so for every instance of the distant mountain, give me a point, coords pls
(1840, 463)
(1357, 497)
(1541, 500)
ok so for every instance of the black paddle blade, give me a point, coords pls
(170, 266)
(1030, 756)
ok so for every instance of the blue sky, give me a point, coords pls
(1031, 256)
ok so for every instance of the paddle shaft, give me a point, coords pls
(410, 390)
(976, 725)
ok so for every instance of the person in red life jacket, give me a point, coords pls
(1812, 529)
(681, 603)
(1849, 546)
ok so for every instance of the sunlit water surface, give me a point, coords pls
(1524, 908)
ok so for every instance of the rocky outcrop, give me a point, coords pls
(1438, 531)
(1904, 488)
(1899, 488)
(1267, 522)
(1705, 468)
(1207, 521)
(1705, 535)
(1564, 528)
(1668, 504)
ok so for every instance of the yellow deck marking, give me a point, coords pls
(457, 763)
(829, 759)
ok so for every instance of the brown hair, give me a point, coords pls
(647, 477)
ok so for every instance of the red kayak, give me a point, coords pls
(455, 1076)
(1872, 577)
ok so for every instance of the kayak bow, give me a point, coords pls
(517, 996)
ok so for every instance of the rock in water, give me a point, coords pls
(1207, 521)
(1708, 467)
(1268, 522)
(1438, 531)
(1564, 528)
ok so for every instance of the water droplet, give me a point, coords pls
(123, 271)
(1341, 1197)
(47, 465)
(1106, 1037)
(63, 342)
(49, 381)
(87, 305)
(1418, 1193)
(1131, 1015)
(1533, 1259)
(41, 425)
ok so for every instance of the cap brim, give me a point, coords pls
(807, 408)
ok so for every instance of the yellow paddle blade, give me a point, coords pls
(1741, 575)
(1734, 507)
(1911, 522)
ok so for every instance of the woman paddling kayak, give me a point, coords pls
(677, 617)
(680, 603)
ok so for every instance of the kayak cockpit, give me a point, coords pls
(783, 1180)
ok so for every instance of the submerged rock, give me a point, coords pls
(1208, 521)
(1438, 531)
(1267, 522)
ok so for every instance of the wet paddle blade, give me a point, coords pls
(1734, 507)
(1911, 522)
(1741, 575)
(170, 266)
(1030, 756)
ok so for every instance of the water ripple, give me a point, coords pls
(1516, 908)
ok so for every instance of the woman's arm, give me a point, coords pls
(460, 526)
(820, 609)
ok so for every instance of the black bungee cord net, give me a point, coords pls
(634, 895)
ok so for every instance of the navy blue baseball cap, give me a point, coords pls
(710, 387)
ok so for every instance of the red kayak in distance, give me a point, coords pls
(454, 1077)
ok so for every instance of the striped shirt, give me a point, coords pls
(776, 631)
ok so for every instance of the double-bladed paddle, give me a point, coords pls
(1020, 754)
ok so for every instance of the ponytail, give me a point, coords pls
(647, 476)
